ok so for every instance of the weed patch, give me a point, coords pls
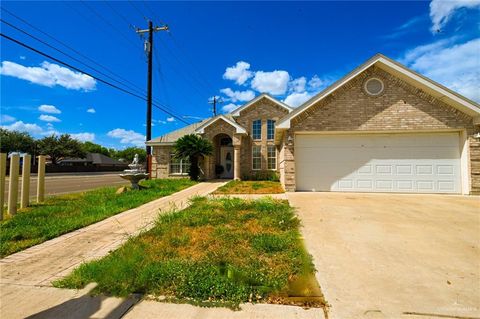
(221, 251)
(65, 213)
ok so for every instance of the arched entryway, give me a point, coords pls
(224, 157)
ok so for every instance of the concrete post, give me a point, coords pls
(41, 179)
(236, 162)
(3, 171)
(27, 159)
(13, 185)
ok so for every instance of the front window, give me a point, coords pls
(257, 129)
(271, 157)
(270, 129)
(179, 166)
(256, 157)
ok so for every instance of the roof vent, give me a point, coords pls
(374, 86)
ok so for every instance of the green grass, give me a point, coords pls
(65, 213)
(250, 187)
(217, 252)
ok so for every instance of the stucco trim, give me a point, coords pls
(435, 89)
(239, 129)
(237, 111)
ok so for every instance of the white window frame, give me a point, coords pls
(253, 129)
(272, 129)
(182, 163)
(256, 157)
(274, 157)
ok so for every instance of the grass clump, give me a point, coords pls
(250, 187)
(65, 213)
(221, 251)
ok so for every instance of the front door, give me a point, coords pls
(226, 160)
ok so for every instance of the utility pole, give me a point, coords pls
(149, 50)
(214, 102)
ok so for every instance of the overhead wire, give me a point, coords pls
(91, 75)
(60, 51)
(70, 48)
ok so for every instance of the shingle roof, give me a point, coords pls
(98, 158)
(171, 137)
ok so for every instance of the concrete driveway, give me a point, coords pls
(392, 255)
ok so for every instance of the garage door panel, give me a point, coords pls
(426, 163)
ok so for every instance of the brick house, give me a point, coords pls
(381, 128)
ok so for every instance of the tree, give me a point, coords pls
(15, 141)
(128, 154)
(192, 147)
(90, 147)
(60, 147)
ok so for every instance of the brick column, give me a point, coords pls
(236, 162)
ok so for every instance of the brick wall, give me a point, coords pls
(400, 107)
(160, 161)
(264, 110)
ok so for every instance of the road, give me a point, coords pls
(73, 182)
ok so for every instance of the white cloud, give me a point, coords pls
(229, 107)
(83, 137)
(295, 99)
(456, 66)
(49, 109)
(441, 11)
(316, 83)
(235, 96)
(91, 110)
(413, 54)
(298, 85)
(170, 119)
(22, 57)
(30, 128)
(48, 118)
(238, 73)
(49, 74)
(275, 82)
(128, 137)
(6, 118)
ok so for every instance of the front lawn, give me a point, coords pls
(250, 187)
(64, 213)
(217, 252)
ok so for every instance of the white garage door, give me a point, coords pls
(413, 163)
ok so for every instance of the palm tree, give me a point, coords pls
(192, 147)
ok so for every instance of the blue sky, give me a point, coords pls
(235, 50)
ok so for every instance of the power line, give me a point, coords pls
(108, 23)
(149, 9)
(62, 52)
(139, 89)
(73, 58)
(118, 13)
(185, 54)
(180, 71)
(138, 10)
(86, 73)
(70, 48)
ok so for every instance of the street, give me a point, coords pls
(62, 183)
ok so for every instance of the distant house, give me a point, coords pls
(93, 159)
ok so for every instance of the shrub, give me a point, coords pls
(262, 176)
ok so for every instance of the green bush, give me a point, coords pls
(272, 176)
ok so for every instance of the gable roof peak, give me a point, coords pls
(237, 111)
(389, 65)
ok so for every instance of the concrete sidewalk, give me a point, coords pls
(25, 277)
